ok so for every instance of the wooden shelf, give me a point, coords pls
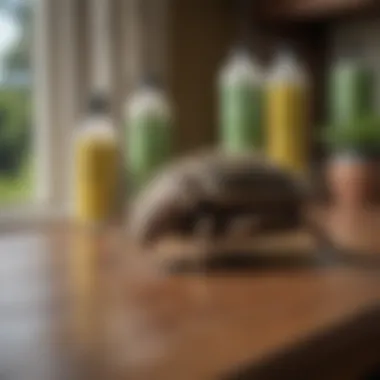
(289, 10)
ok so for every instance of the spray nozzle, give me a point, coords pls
(150, 81)
(99, 104)
(285, 52)
(240, 50)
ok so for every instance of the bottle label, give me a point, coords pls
(288, 139)
(149, 147)
(241, 113)
(96, 179)
(351, 94)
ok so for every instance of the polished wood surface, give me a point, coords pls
(249, 319)
(190, 326)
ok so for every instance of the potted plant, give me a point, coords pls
(353, 156)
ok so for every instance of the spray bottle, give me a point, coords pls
(149, 132)
(287, 113)
(96, 165)
(240, 108)
(351, 91)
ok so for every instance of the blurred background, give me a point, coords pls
(49, 68)
(56, 54)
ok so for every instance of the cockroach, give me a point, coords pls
(230, 190)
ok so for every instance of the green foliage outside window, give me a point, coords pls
(15, 130)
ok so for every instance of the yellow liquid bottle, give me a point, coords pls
(287, 106)
(96, 168)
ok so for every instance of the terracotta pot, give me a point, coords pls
(376, 180)
(351, 180)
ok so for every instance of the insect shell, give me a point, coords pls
(223, 188)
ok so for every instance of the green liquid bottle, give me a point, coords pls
(351, 92)
(149, 134)
(240, 104)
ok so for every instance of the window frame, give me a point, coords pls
(57, 93)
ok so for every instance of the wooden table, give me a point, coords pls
(298, 323)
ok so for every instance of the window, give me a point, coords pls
(42, 52)
(16, 153)
(46, 72)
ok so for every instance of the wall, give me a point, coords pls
(199, 37)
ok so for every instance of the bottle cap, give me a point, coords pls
(240, 49)
(151, 81)
(99, 104)
(285, 50)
